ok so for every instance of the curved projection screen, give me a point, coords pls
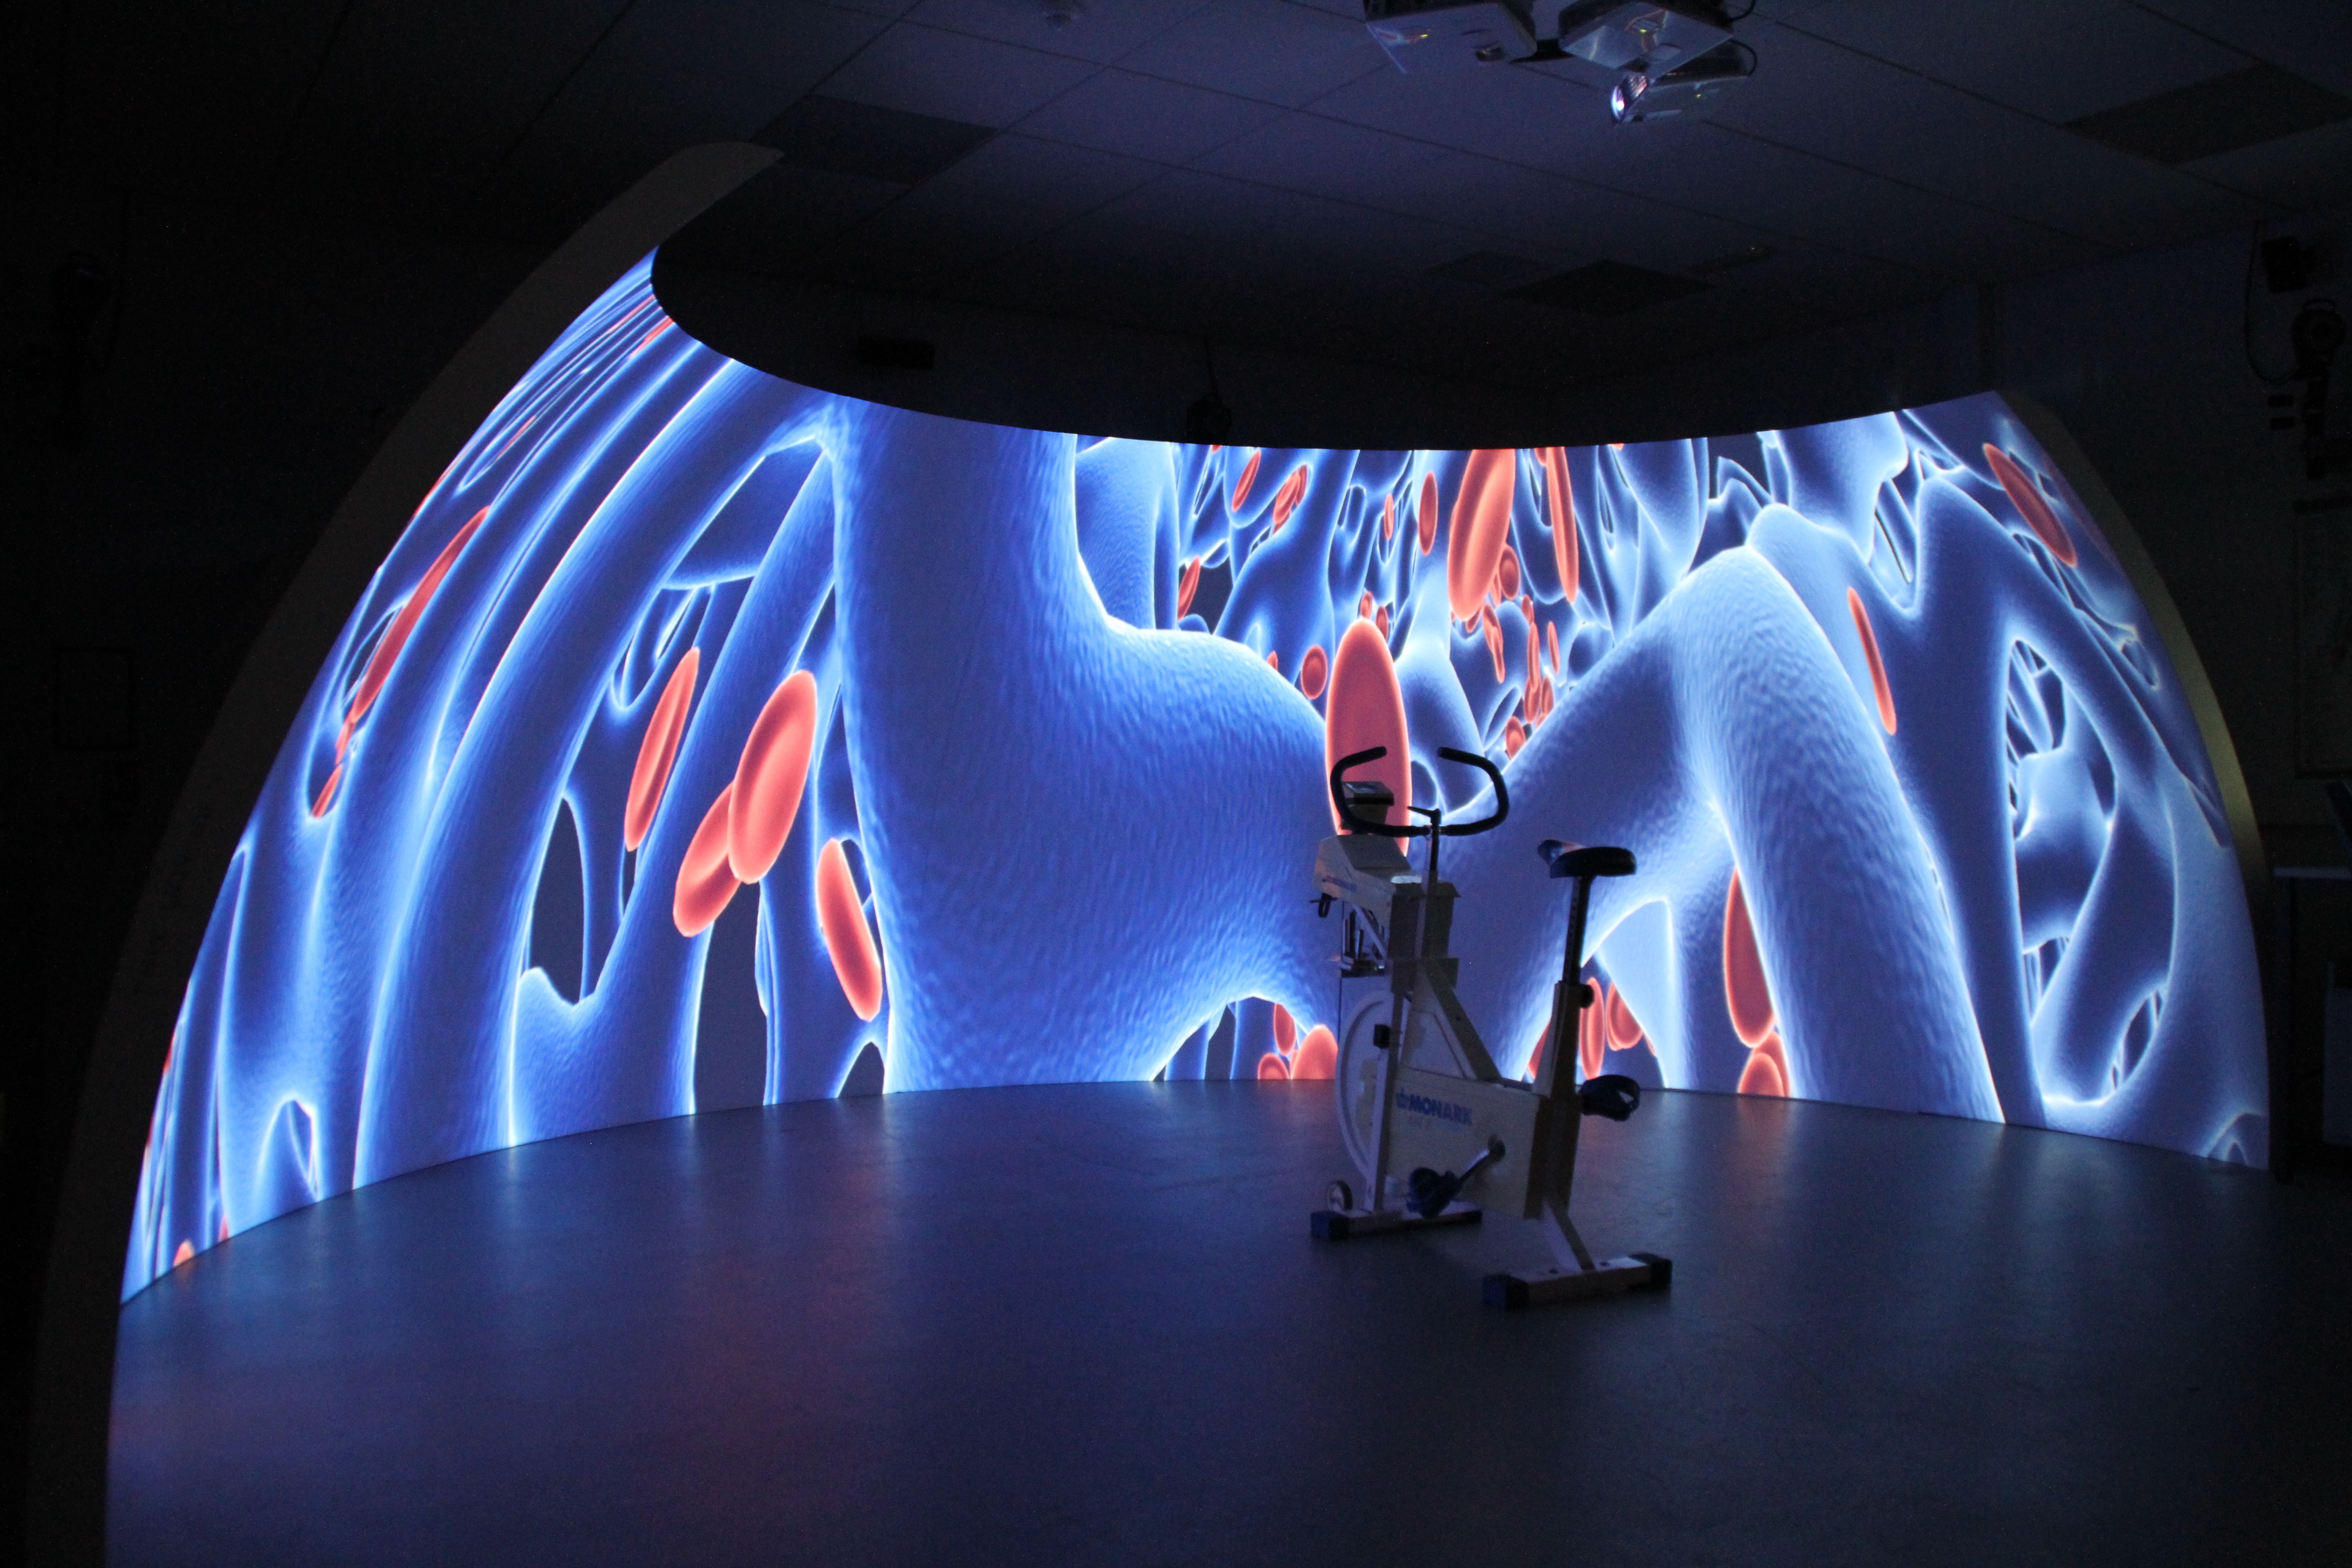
(708, 741)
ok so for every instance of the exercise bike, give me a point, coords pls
(1418, 1090)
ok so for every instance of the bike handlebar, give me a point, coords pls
(1407, 830)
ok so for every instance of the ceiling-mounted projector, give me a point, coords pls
(1692, 90)
(1633, 35)
(1668, 50)
(1448, 34)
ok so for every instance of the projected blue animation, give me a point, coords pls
(707, 740)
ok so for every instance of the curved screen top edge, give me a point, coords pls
(708, 741)
(1126, 350)
(997, 364)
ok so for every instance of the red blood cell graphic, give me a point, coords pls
(1318, 1054)
(1535, 671)
(2030, 503)
(1535, 1058)
(1426, 520)
(1552, 647)
(1624, 1029)
(1366, 709)
(1187, 585)
(1494, 630)
(1381, 621)
(1878, 668)
(1364, 607)
(1482, 519)
(1388, 517)
(1249, 478)
(1561, 503)
(1515, 735)
(1507, 573)
(1312, 671)
(1270, 1066)
(1273, 660)
(327, 791)
(182, 1253)
(705, 885)
(1591, 1033)
(1528, 611)
(1286, 1031)
(1766, 1071)
(659, 750)
(1745, 991)
(846, 938)
(1287, 499)
(1214, 450)
(647, 341)
(768, 779)
(395, 637)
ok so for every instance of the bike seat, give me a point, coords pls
(1593, 860)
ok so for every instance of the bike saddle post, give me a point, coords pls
(1579, 865)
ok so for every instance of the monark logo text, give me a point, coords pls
(1421, 1105)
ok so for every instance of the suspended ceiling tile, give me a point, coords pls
(2300, 174)
(788, 44)
(1348, 162)
(1009, 193)
(1268, 49)
(1986, 157)
(928, 72)
(1526, 117)
(1098, 30)
(1903, 128)
(886, 9)
(2312, 39)
(893, 144)
(2124, 203)
(416, 107)
(1813, 278)
(673, 74)
(1146, 117)
(1352, 164)
(1771, 190)
(1487, 271)
(2250, 106)
(2053, 59)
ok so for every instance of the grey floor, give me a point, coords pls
(1087, 1325)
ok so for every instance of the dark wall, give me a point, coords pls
(164, 476)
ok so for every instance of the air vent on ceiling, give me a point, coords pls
(2242, 109)
(846, 138)
(1607, 288)
(1489, 269)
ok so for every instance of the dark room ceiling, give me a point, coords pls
(1254, 171)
